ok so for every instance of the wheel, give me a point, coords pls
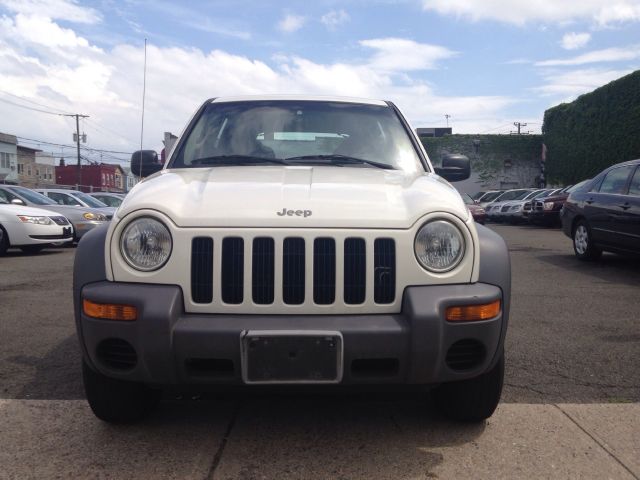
(4, 241)
(582, 244)
(472, 400)
(118, 401)
(32, 249)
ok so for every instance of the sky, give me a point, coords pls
(484, 63)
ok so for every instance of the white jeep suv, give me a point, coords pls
(293, 240)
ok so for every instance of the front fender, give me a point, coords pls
(88, 267)
(495, 269)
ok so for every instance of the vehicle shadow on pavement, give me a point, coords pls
(333, 436)
(610, 268)
(58, 375)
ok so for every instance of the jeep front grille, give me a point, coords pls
(286, 261)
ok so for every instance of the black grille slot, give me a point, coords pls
(232, 282)
(60, 220)
(293, 271)
(324, 271)
(117, 354)
(262, 270)
(355, 268)
(465, 354)
(210, 367)
(384, 261)
(202, 269)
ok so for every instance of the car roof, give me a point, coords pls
(309, 98)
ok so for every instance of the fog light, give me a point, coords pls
(109, 311)
(470, 313)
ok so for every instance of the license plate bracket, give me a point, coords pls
(291, 356)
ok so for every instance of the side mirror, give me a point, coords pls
(145, 163)
(17, 201)
(455, 168)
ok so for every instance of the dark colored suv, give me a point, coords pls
(605, 213)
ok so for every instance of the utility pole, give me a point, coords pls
(519, 125)
(447, 116)
(77, 135)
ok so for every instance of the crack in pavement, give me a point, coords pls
(218, 456)
(597, 441)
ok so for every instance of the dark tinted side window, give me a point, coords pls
(616, 180)
(634, 188)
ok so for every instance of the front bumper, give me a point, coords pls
(411, 347)
(83, 226)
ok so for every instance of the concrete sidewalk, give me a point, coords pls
(319, 438)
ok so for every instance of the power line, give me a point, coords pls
(32, 101)
(30, 108)
(43, 142)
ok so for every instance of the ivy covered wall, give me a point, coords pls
(595, 131)
(497, 161)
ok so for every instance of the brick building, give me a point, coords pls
(102, 177)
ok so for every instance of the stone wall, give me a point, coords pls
(497, 161)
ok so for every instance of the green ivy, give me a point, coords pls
(595, 131)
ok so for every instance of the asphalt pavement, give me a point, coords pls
(570, 403)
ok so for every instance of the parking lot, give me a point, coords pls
(574, 341)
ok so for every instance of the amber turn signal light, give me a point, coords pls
(470, 313)
(109, 311)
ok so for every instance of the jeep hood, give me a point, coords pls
(334, 197)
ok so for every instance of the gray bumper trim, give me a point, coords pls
(165, 337)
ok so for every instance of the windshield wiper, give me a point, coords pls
(226, 160)
(341, 160)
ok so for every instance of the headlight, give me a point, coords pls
(146, 244)
(548, 205)
(439, 246)
(36, 220)
(94, 216)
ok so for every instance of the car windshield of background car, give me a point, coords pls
(33, 197)
(298, 133)
(89, 200)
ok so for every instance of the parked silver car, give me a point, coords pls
(110, 199)
(76, 198)
(82, 218)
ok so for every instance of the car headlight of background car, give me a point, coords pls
(36, 220)
(146, 244)
(94, 216)
(439, 246)
(548, 205)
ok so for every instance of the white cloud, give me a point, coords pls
(399, 54)
(573, 41)
(43, 31)
(616, 54)
(520, 12)
(69, 73)
(577, 82)
(68, 10)
(334, 18)
(290, 23)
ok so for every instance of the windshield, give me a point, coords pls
(488, 197)
(89, 200)
(467, 199)
(512, 195)
(33, 197)
(298, 133)
(534, 194)
(577, 186)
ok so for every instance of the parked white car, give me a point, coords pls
(31, 229)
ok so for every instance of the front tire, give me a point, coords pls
(4, 241)
(583, 244)
(118, 401)
(472, 400)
